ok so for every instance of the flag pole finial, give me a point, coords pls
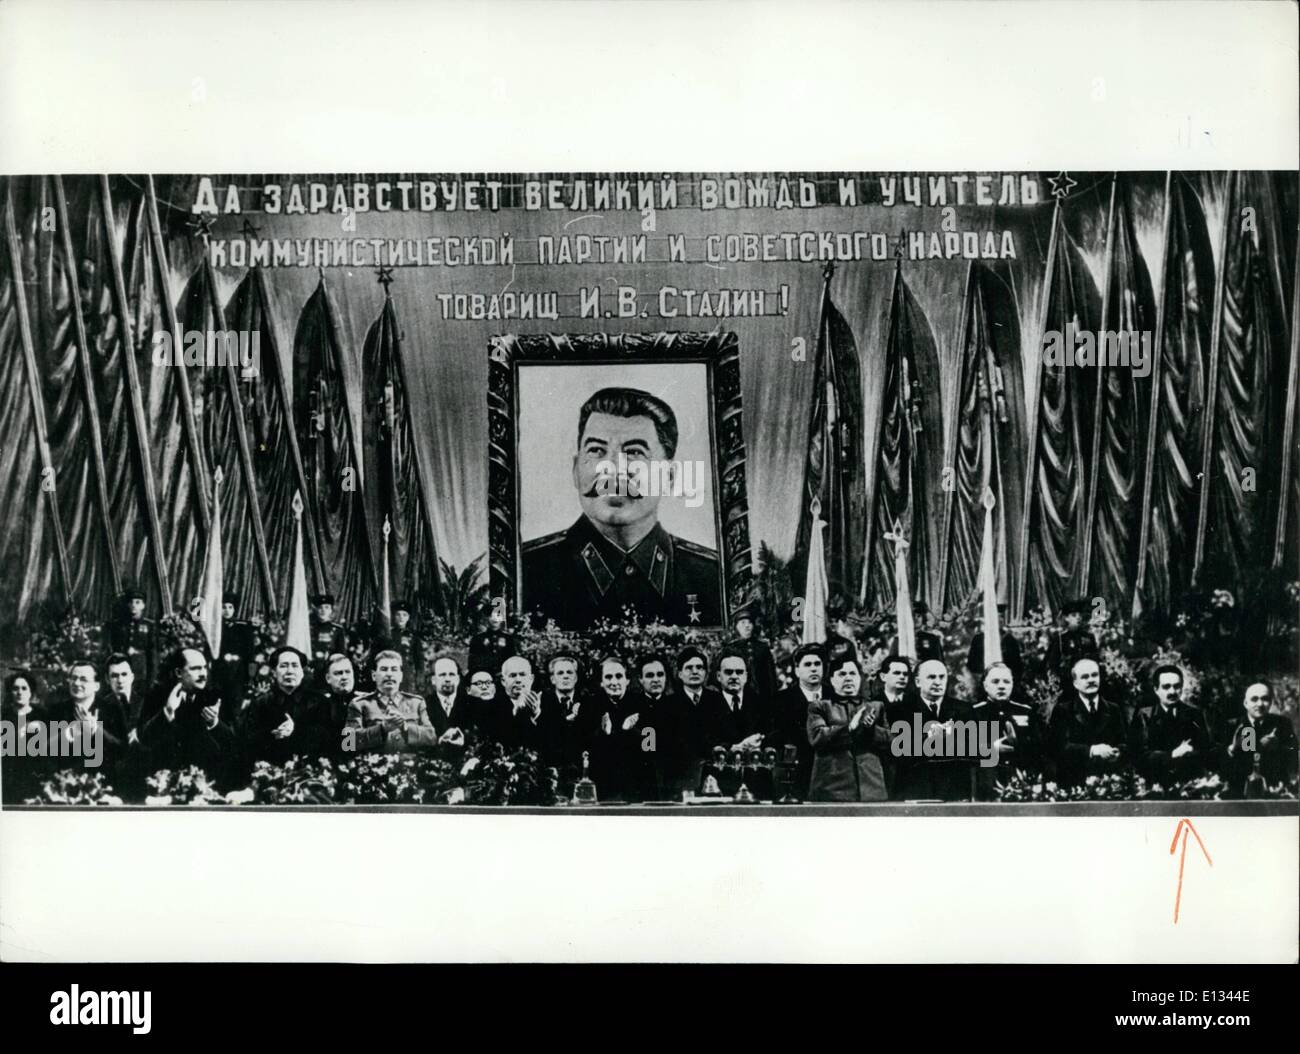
(989, 500)
(388, 529)
(297, 505)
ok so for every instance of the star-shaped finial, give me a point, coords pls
(248, 230)
(385, 277)
(201, 225)
(1062, 184)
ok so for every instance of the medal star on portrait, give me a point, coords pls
(617, 555)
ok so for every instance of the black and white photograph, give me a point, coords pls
(592, 500)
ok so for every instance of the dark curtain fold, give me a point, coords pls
(909, 454)
(331, 456)
(1122, 415)
(1065, 397)
(835, 465)
(392, 464)
(988, 430)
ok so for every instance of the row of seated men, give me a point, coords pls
(647, 726)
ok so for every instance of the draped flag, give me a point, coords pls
(385, 587)
(989, 586)
(297, 631)
(986, 435)
(213, 574)
(277, 460)
(393, 459)
(835, 466)
(1120, 410)
(1245, 406)
(816, 590)
(906, 455)
(1172, 483)
(1060, 436)
(331, 456)
(32, 540)
(61, 322)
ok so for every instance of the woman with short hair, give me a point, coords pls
(848, 736)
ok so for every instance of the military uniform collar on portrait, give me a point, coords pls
(652, 556)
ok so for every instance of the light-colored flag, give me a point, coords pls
(906, 633)
(815, 587)
(298, 630)
(386, 591)
(209, 614)
(989, 583)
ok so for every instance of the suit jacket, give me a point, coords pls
(723, 726)
(1156, 732)
(1071, 734)
(185, 739)
(460, 716)
(624, 766)
(790, 728)
(563, 733)
(112, 728)
(943, 777)
(1275, 743)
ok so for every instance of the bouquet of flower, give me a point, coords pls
(495, 777)
(75, 787)
(299, 781)
(189, 786)
(67, 639)
(380, 779)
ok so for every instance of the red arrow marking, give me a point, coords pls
(1183, 827)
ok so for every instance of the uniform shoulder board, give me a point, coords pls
(361, 697)
(412, 695)
(544, 540)
(694, 549)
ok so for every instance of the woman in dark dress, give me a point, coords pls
(848, 736)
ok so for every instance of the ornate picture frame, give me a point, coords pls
(718, 352)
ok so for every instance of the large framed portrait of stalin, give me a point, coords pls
(616, 478)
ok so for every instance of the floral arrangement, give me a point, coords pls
(298, 781)
(497, 777)
(189, 786)
(628, 637)
(67, 639)
(75, 787)
(1125, 785)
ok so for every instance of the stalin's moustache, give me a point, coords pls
(602, 489)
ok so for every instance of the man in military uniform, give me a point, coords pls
(388, 720)
(1073, 641)
(402, 638)
(1021, 729)
(616, 554)
(238, 643)
(490, 648)
(327, 636)
(136, 637)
